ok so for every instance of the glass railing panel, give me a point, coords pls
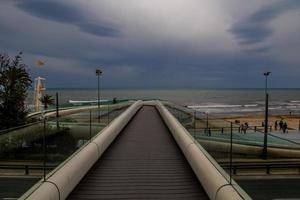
(31, 152)
(218, 137)
(20, 156)
(239, 151)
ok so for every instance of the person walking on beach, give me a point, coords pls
(280, 125)
(245, 126)
(284, 127)
(276, 125)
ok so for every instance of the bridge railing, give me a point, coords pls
(293, 167)
(36, 149)
(228, 141)
(63, 179)
(216, 181)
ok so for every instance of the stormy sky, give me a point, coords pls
(157, 43)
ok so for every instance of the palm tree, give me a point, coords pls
(47, 100)
(14, 82)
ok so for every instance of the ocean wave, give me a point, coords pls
(291, 107)
(251, 110)
(251, 105)
(221, 106)
(294, 101)
(214, 106)
(275, 108)
(245, 107)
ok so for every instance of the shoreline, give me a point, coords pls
(293, 121)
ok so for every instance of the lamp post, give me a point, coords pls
(57, 110)
(206, 119)
(44, 144)
(98, 74)
(265, 150)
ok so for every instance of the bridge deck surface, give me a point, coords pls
(144, 162)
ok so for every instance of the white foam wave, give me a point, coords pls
(251, 110)
(291, 107)
(251, 105)
(213, 106)
(275, 108)
(295, 101)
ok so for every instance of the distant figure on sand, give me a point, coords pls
(276, 125)
(280, 125)
(244, 127)
(285, 127)
(263, 124)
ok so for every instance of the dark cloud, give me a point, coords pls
(98, 30)
(259, 50)
(255, 28)
(61, 12)
(138, 59)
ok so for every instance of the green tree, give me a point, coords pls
(14, 83)
(47, 100)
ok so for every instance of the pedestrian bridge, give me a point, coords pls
(145, 153)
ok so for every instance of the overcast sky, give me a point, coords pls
(156, 43)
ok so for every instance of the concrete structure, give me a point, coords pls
(248, 150)
(39, 87)
(61, 183)
(212, 177)
(143, 162)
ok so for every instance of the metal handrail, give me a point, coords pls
(267, 166)
(3, 131)
(28, 167)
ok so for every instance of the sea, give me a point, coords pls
(215, 101)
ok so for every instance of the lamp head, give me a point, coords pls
(267, 73)
(98, 72)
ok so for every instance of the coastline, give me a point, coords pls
(257, 119)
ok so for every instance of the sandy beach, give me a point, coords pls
(253, 120)
(256, 120)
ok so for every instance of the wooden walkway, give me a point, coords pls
(144, 162)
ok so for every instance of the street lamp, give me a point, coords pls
(265, 150)
(98, 74)
(266, 74)
(206, 120)
(43, 117)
